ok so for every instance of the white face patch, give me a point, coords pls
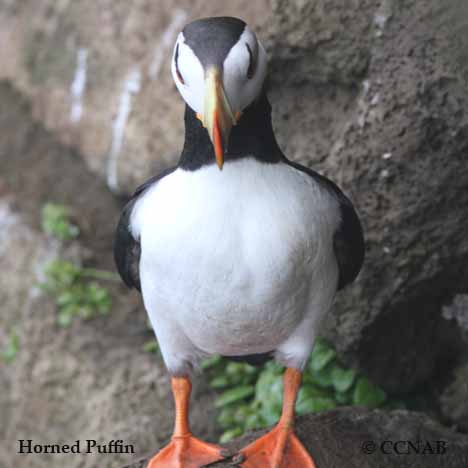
(241, 89)
(192, 73)
(244, 72)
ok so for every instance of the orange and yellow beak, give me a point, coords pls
(217, 118)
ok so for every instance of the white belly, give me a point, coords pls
(231, 257)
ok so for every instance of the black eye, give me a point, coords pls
(252, 62)
(176, 60)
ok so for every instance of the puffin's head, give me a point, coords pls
(219, 68)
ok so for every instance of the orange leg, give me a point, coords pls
(184, 450)
(280, 448)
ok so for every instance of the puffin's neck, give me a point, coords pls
(252, 137)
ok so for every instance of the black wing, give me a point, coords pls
(126, 247)
(348, 240)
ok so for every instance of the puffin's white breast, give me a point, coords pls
(230, 256)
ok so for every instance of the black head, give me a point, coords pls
(211, 39)
(219, 68)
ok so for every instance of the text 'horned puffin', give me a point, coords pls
(237, 250)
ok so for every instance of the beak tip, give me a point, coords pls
(219, 160)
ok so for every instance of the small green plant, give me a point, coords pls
(75, 290)
(151, 346)
(55, 220)
(251, 398)
(11, 349)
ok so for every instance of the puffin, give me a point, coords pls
(237, 250)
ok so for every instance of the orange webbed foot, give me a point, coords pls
(279, 448)
(186, 452)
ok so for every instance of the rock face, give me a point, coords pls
(454, 397)
(98, 75)
(354, 437)
(453, 400)
(375, 97)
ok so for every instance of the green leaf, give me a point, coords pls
(55, 221)
(233, 395)
(343, 398)
(316, 404)
(221, 381)
(226, 417)
(326, 384)
(73, 296)
(253, 421)
(85, 311)
(322, 377)
(270, 414)
(274, 368)
(208, 362)
(65, 298)
(12, 348)
(311, 399)
(310, 391)
(367, 394)
(269, 396)
(230, 434)
(342, 379)
(321, 355)
(150, 346)
(64, 319)
(61, 274)
(269, 386)
(242, 412)
(239, 373)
